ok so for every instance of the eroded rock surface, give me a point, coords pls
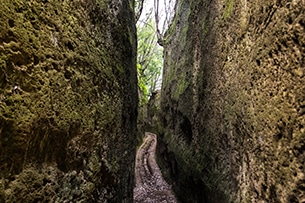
(233, 101)
(150, 185)
(68, 100)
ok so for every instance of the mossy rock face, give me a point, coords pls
(68, 97)
(233, 101)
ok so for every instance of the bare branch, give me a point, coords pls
(163, 17)
(139, 9)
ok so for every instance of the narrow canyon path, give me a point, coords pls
(150, 185)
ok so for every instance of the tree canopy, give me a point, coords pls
(150, 59)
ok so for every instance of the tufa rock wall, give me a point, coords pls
(233, 99)
(68, 101)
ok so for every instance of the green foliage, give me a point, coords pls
(150, 59)
(142, 87)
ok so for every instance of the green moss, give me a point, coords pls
(182, 84)
(2, 188)
(204, 29)
(29, 187)
(2, 63)
(193, 164)
(62, 86)
(130, 36)
(229, 8)
(65, 75)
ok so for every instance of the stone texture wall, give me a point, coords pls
(233, 101)
(68, 100)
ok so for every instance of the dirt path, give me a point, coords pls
(150, 185)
